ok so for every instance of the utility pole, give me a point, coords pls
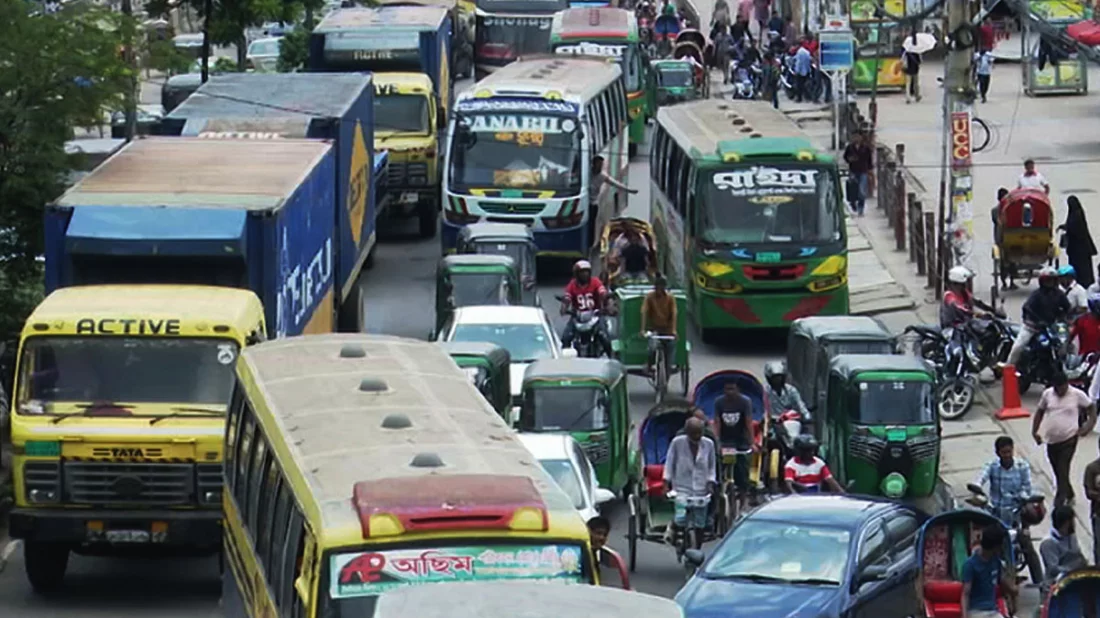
(207, 9)
(129, 56)
(956, 223)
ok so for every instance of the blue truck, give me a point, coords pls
(253, 214)
(408, 50)
(302, 105)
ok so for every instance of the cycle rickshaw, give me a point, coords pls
(1024, 240)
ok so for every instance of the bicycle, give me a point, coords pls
(730, 491)
(659, 376)
(683, 539)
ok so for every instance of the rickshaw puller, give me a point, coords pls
(585, 293)
(806, 470)
(733, 412)
(659, 316)
(691, 471)
(1043, 307)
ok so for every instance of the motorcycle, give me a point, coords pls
(1028, 512)
(1045, 356)
(744, 80)
(586, 332)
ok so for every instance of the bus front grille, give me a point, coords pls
(500, 208)
(145, 484)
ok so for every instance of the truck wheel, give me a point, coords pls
(45, 564)
(350, 319)
(428, 222)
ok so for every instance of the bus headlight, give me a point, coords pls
(834, 265)
(827, 283)
(715, 285)
(715, 269)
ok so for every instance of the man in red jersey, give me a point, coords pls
(806, 471)
(584, 293)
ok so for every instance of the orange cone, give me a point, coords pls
(1011, 405)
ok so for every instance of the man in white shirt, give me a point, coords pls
(1032, 179)
(1077, 295)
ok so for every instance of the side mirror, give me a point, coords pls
(695, 557)
(873, 573)
(568, 353)
(602, 496)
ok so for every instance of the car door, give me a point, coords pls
(585, 472)
(873, 597)
(902, 527)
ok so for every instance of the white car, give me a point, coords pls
(565, 462)
(263, 54)
(525, 332)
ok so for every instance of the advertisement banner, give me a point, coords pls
(960, 140)
(890, 74)
(1058, 11)
(864, 10)
(367, 573)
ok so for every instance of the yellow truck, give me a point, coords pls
(118, 416)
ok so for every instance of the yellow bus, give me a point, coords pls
(356, 464)
(118, 413)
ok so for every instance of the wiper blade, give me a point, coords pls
(185, 413)
(87, 408)
(814, 581)
(752, 577)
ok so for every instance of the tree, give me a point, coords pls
(58, 72)
(294, 50)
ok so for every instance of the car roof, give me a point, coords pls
(828, 510)
(476, 259)
(842, 327)
(582, 368)
(500, 314)
(507, 231)
(547, 445)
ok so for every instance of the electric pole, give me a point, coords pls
(129, 57)
(207, 9)
(957, 222)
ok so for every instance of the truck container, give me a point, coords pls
(338, 107)
(402, 46)
(253, 214)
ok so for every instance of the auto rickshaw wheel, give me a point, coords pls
(632, 534)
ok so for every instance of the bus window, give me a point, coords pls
(243, 456)
(255, 478)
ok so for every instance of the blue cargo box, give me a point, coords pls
(246, 214)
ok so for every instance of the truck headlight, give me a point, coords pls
(42, 496)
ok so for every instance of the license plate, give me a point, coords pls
(410, 197)
(128, 536)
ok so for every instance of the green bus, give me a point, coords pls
(748, 216)
(613, 34)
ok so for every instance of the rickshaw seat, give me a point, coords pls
(757, 432)
(943, 599)
(655, 480)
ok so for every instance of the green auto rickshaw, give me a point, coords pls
(469, 280)
(514, 240)
(487, 365)
(880, 427)
(812, 342)
(587, 398)
(675, 81)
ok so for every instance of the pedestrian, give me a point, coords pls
(1032, 179)
(986, 35)
(1095, 287)
(723, 48)
(769, 79)
(1061, 407)
(1007, 269)
(910, 65)
(1078, 297)
(1077, 241)
(691, 470)
(803, 70)
(763, 8)
(1092, 491)
(982, 572)
(1060, 552)
(983, 69)
(858, 156)
(775, 24)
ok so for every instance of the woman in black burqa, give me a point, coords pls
(1077, 242)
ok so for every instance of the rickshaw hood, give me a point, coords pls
(710, 598)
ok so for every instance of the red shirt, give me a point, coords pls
(1087, 331)
(811, 46)
(812, 473)
(985, 33)
(586, 297)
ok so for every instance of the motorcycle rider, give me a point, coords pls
(1009, 481)
(782, 396)
(958, 301)
(806, 471)
(585, 293)
(1085, 332)
(1043, 307)
(1075, 292)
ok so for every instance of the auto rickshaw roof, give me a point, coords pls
(851, 365)
(474, 260)
(502, 232)
(842, 328)
(496, 354)
(601, 369)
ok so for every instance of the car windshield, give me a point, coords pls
(776, 204)
(675, 78)
(128, 370)
(402, 113)
(895, 403)
(264, 48)
(506, 38)
(626, 55)
(565, 475)
(470, 289)
(765, 550)
(516, 150)
(525, 342)
(859, 347)
(564, 409)
(515, 250)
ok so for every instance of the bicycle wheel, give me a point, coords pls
(661, 369)
(980, 135)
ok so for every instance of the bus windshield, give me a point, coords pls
(625, 54)
(894, 403)
(128, 370)
(516, 150)
(506, 38)
(401, 113)
(774, 204)
(357, 578)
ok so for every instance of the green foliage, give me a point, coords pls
(164, 56)
(294, 50)
(20, 292)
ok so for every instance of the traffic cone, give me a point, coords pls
(1011, 406)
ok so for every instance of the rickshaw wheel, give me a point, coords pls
(632, 534)
(685, 378)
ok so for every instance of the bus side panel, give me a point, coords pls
(244, 588)
(303, 233)
(355, 193)
(55, 223)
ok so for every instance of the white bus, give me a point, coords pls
(520, 146)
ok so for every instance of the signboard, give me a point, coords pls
(592, 49)
(761, 181)
(370, 573)
(516, 105)
(960, 140)
(837, 51)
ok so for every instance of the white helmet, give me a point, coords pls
(582, 265)
(959, 274)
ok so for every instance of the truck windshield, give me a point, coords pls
(401, 113)
(517, 150)
(895, 403)
(353, 580)
(773, 204)
(564, 409)
(127, 370)
(503, 39)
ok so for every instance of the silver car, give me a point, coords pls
(263, 54)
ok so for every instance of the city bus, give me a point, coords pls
(508, 29)
(748, 216)
(520, 146)
(363, 463)
(610, 33)
(117, 419)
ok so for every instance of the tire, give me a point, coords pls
(733, 506)
(428, 222)
(1023, 384)
(632, 534)
(685, 378)
(45, 564)
(662, 378)
(1034, 565)
(980, 132)
(956, 397)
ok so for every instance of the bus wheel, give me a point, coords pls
(45, 564)
(428, 219)
(633, 150)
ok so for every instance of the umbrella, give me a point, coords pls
(919, 43)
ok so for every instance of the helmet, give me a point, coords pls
(582, 265)
(1047, 273)
(1094, 303)
(805, 442)
(1067, 271)
(775, 368)
(959, 274)
(1033, 513)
